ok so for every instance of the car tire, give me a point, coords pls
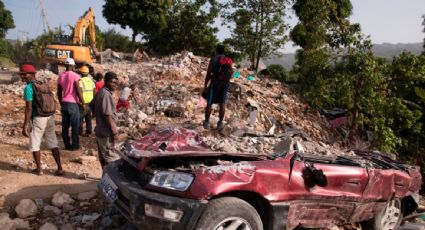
(229, 213)
(389, 218)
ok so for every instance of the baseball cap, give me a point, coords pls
(69, 61)
(26, 68)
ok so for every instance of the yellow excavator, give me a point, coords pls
(81, 46)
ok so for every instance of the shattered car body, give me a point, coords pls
(171, 180)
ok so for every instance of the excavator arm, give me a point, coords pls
(85, 22)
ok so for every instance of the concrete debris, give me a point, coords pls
(26, 208)
(49, 210)
(6, 223)
(21, 224)
(60, 199)
(48, 226)
(86, 195)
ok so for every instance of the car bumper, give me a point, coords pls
(131, 200)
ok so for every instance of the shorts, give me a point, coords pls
(43, 127)
(105, 151)
(217, 92)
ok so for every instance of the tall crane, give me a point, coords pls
(46, 26)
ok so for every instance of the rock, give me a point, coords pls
(106, 222)
(141, 116)
(86, 195)
(60, 199)
(229, 148)
(67, 207)
(90, 218)
(6, 223)
(67, 226)
(22, 224)
(49, 210)
(174, 111)
(48, 226)
(26, 208)
(84, 159)
(285, 145)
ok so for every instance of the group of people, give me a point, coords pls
(79, 96)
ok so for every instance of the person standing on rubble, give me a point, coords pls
(36, 126)
(124, 100)
(219, 73)
(69, 98)
(87, 89)
(106, 128)
(99, 81)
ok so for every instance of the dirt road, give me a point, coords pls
(16, 162)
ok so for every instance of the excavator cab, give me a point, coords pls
(81, 46)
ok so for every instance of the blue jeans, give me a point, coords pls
(70, 118)
(87, 118)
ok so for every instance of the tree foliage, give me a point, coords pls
(6, 20)
(257, 27)
(189, 27)
(338, 69)
(142, 16)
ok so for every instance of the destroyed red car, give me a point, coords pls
(171, 180)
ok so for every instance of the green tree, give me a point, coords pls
(116, 41)
(142, 16)
(423, 30)
(257, 27)
(189, 27)
(6, 20)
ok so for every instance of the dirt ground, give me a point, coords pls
(16, 162)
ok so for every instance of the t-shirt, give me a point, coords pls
(67, 81)
(29, 96)
(125, 93)
(104, 106)
(99, 85)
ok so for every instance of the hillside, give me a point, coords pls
(385, 50)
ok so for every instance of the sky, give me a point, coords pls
(386, 21)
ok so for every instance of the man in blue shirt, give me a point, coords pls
(35, 127)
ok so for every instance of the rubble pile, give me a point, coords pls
(85, 210)
(259, 110)
(17, 87)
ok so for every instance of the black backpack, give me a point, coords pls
(44, 99)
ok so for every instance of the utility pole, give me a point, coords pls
(46, 26)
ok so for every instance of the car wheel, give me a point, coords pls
(229, 213)
(390, 217)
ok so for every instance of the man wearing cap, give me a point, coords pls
(106, 128)
(40, 125)
(69, 98)
(87, 89)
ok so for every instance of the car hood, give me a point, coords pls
(170, 142)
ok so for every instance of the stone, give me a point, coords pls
(174, 111)
(22, 224)
(60, 199)
(86, 195)
(67, 207)
(6, 223)
(106, 222)
(26, 208)
(67, 226)
(141, 116)
(90, 218)
(49, 210)
(285, 145)
(48, 226)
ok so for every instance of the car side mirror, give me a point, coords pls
(313, 177)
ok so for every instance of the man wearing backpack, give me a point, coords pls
(40, 119)
(219, 73)
(69, 98)
(87, 89)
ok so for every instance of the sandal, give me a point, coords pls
(37, 172)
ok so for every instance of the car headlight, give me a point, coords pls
(172, 180)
